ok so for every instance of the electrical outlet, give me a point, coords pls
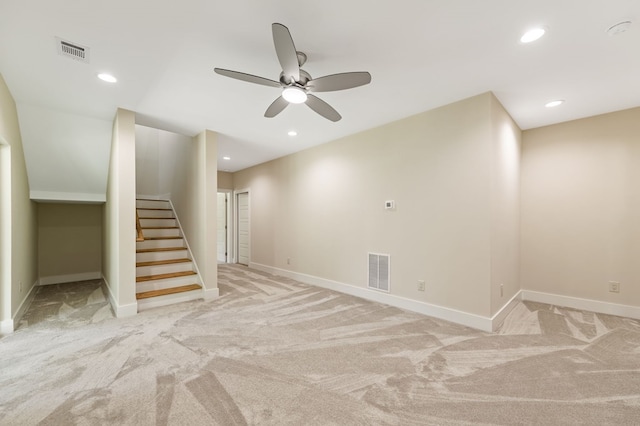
(288, 261)
(614, 287)
(420, 285)
(501, 290)
(20, 286)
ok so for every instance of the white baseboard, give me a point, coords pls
(500, 316)
(26, 302)
(70, 278)
(121, 311)
(211, 293)
(8, 326)
(582, 304)
(448, 314)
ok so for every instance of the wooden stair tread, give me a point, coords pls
(162, 262)
(162, 238)
(160, 227)
(165, 291)
(151, 199)
(163, 276)
(151, 250)
(151, 208)
(153, 217)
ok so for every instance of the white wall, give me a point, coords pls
(18, 219)
(158, 156)
(67, 155)
(581, 208)
(324, 207)
(119, 219)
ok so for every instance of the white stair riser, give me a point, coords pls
(149, 233)
(146, 244)
(151, 223)
(142, 271)
(155, 213)
(166, 283)
(169, 299)
(152, 204)
(161, 255)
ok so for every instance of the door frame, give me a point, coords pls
(6, 314)
(236, 222)
(229, 223)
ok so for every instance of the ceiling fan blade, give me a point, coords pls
(322, 108)
(286, 51)
(276, 107)
(347, 80)
(248, 77)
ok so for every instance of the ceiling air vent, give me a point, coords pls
(72, 50)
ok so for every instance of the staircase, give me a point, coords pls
(165, 272)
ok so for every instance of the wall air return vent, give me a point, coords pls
(379, 271)
(72, 50)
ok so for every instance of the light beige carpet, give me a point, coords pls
(272, 351)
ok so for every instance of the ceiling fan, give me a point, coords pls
(296, 83)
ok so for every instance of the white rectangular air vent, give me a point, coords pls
(72, 50)
(379, 270)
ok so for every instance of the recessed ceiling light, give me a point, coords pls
(226, 158)
(532, 35)
(292, 133)
(107, 77)
(619, 28)
(554, 103)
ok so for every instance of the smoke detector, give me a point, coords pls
(72, 50)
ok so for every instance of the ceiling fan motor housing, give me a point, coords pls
(305, 77)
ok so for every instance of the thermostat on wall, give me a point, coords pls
(389, 205)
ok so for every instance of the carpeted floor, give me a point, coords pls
(272, 351)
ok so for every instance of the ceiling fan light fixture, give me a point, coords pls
(294, 95)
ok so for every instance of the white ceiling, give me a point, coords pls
(421, 54)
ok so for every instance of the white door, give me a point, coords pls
(222, 227)
(242, 203)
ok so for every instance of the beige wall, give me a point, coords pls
(505, 207)
(324, 207)
(193, 196)
(581, 208)
(159, 156)
(18, 226)
(119, 219)
(69, 241)
(225, 180)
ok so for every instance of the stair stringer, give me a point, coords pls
(186, 243)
